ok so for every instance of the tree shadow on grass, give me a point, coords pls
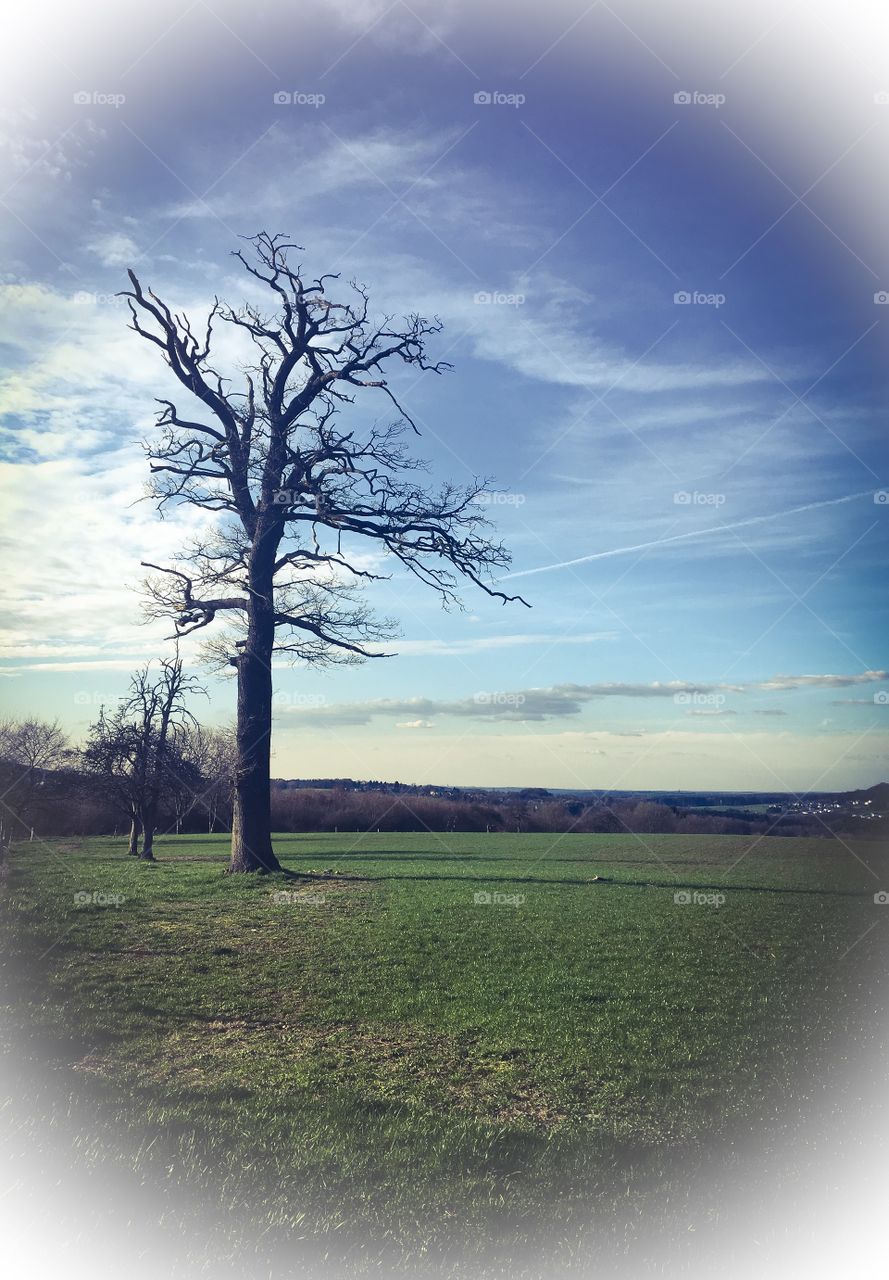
(604, 882)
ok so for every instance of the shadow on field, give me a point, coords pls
(391, 856)
(606, 883)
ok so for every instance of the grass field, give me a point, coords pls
(438, 1039)
(757, 809)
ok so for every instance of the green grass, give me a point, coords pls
(376, 1057)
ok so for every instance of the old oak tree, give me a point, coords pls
(295, 492)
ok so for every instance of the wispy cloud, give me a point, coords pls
(490, 644)
(565, 700)
(822, 682)
(114, 249)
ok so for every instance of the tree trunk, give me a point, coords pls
(135, 832)
(147, 854)
(251, 820)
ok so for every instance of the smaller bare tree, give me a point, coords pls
(134, 750)
(112, 756)
(31, 750)
(202, 774)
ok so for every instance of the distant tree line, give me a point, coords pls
(325, 808)
(149, 767)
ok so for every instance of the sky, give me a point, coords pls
(654, 235)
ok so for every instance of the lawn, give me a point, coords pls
(435, 1049)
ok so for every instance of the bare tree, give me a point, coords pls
(114, 755)
(161, 712)
(135, 749)
(31, 751)
(184, 783)
(296, 492)
(204, 774)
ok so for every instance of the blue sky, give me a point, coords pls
(666, 343)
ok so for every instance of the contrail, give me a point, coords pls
(693, 533)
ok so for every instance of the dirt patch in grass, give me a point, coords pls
(395, 1064)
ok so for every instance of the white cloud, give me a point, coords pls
(823, 681)
(113, 249)
(558, 701)
(74, 541)
(27, 154)
(417, 29)
(485, 644)
(546, 339)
